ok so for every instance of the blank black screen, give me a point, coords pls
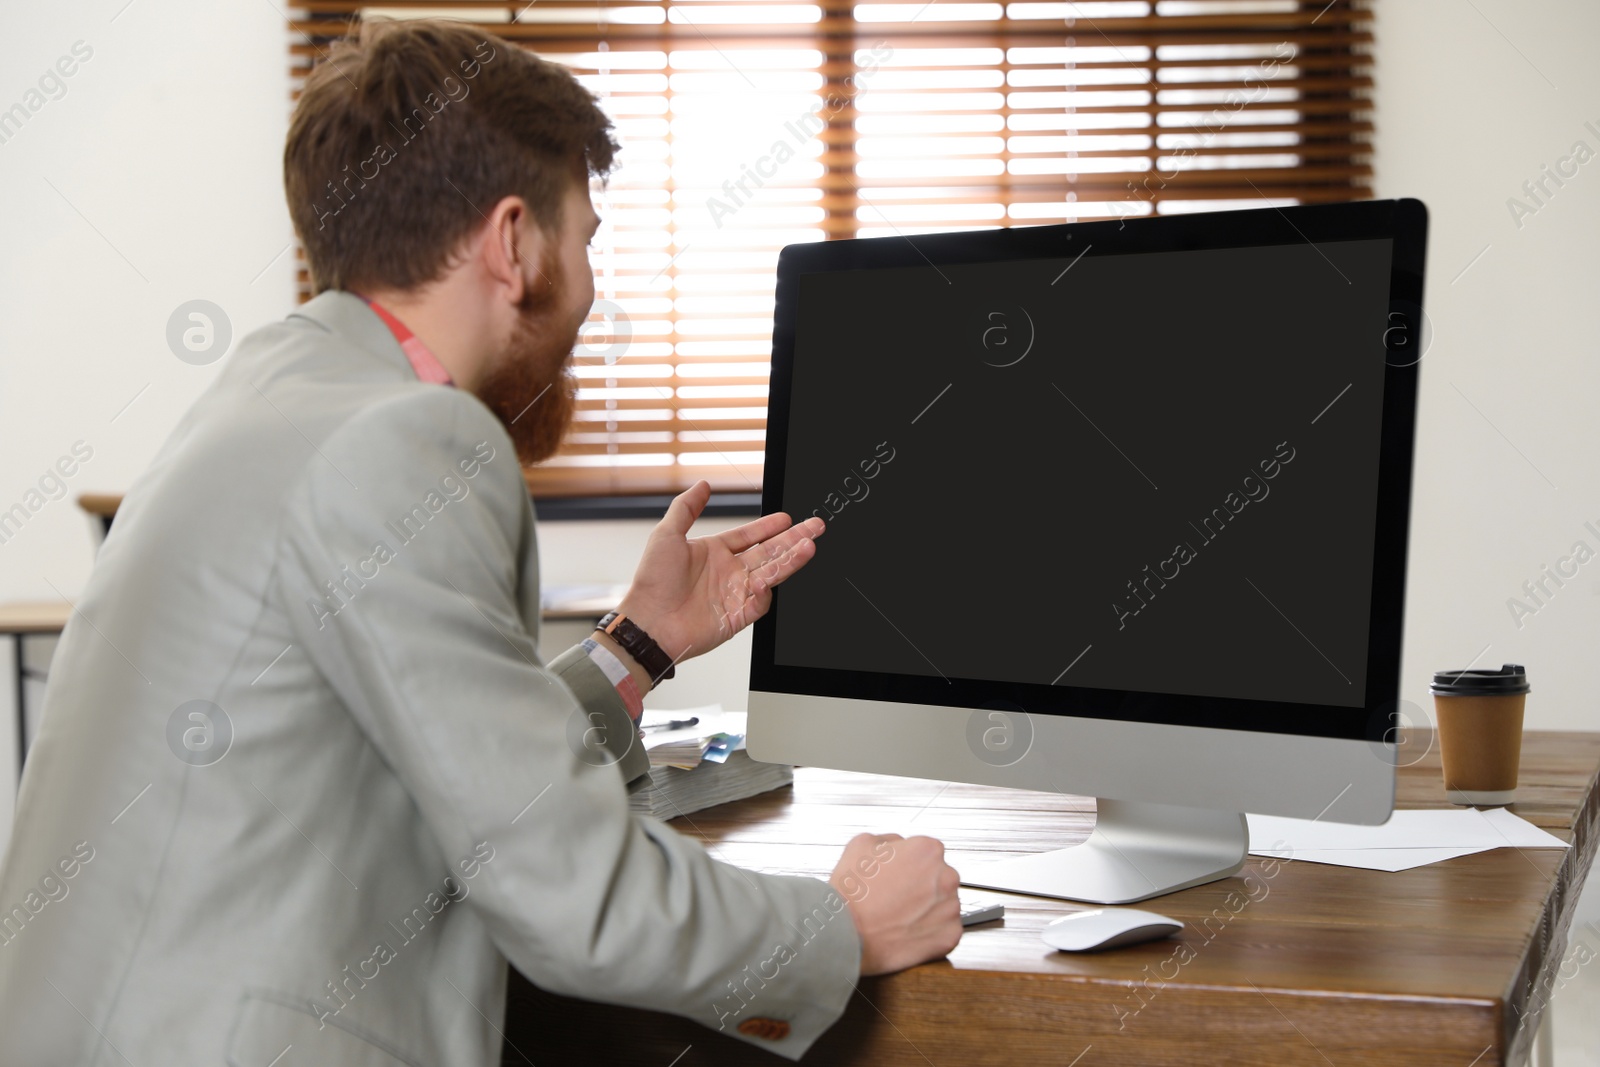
(1153, 472)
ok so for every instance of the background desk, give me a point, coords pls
(21, 622)
(1447, 964)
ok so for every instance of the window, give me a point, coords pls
(750, 124)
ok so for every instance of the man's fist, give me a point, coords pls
(902, 897)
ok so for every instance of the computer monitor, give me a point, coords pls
(1115, 509)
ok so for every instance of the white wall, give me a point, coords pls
(1472, 100)
(154, 180)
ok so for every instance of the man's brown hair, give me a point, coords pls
(409, 132)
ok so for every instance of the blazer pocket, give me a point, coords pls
(270, 1029)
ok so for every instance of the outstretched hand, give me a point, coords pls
(692, 594)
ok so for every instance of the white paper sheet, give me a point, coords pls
(1519, 832)
(1428, 828)
(1380, 859)
(1410, 839)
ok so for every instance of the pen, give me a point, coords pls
(675, 724)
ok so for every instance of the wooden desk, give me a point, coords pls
(35, 617)
(1317, 965)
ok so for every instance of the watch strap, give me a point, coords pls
(638, 644)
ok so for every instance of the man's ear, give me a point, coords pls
(512, 248)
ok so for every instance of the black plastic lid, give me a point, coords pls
(1509, 679)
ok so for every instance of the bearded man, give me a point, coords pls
(303, 785)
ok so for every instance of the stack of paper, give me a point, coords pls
(700, 766)
(716, 734)
(1411, 838)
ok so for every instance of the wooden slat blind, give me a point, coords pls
(750, 124)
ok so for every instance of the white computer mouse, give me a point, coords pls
(1097, 928)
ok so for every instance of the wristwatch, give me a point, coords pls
(638, 644)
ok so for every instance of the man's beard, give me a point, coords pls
(531, 389)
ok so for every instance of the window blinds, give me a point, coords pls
(747, 125)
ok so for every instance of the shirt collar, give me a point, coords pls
(423, 361)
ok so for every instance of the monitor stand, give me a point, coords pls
(1136, 851)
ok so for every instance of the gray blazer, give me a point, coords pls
(302, 785)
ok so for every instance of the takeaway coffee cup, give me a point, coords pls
(1480, 732)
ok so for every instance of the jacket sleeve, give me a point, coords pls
(420, 496)
(610, 731)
